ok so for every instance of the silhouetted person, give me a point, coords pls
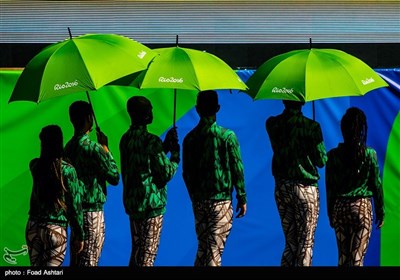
(55, 203)
(95, 167)
(352, 181)
(146, 170)
(212, 168)
(298, 149)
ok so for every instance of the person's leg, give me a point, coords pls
(94, 228)
(362, 228)
(221, 219)
(201, 225)
(306, 217)
(34, 243)
(213, 225)
(55, 245)
(342, 226)
(145, 240)
(135, 235)
(150, 239)
(47, 244)
(283, 199)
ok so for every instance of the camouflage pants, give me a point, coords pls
(95, 230)
(352, 221)
(47, 243)
(145, 240)
(213, 224)
(298, 207)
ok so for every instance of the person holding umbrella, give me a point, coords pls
(352, 181)
(298, 149)
(95, 167)
(212, 168)
(146, 170)
(55, 202)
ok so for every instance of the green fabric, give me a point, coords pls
(40, 211)
(298, 147)
(390, 241)
(95, 167)
(312, 74)
(342, 182)
(83, 63)
(21, 123)
(212, 163)
(145, 171)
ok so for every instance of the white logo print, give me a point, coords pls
(367, 81)
(9, 255)
(66, 85)
(282, 90)
(142, 54)
(170, 80)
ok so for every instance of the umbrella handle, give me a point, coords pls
(94, 116)
(177, 39)
(174, 107)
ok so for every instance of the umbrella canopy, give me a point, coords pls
(83, 63)
(312, 74)
(187, 69)
(184, 68)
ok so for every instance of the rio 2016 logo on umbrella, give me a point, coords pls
(282, 90)
(66, 85)
(367, 81)
(170, 80)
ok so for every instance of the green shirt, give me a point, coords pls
(41, 211)
(298, 147)
(342, 182)
(212, 164)
(145, 171)
(95, 167)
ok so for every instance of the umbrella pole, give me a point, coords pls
(177, 39)
(313, 110)
(174, 106)
(94, 116)
(313, 103)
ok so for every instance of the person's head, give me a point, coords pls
(354, 127)
(81, 115)
(49, 173)
(207, 103)
(291, 104)
(140, 110)
(51, 140)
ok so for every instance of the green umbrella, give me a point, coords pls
(81, 64)
(178, 68)
(312, 74)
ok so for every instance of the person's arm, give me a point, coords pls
(171, 144)
(163, 168)
(319, 157)
(271, 135)
(187, 171)
(237, 171)
(124, 167)
(330, 185)
(375, 184)
(74, 207)
(107, 165)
